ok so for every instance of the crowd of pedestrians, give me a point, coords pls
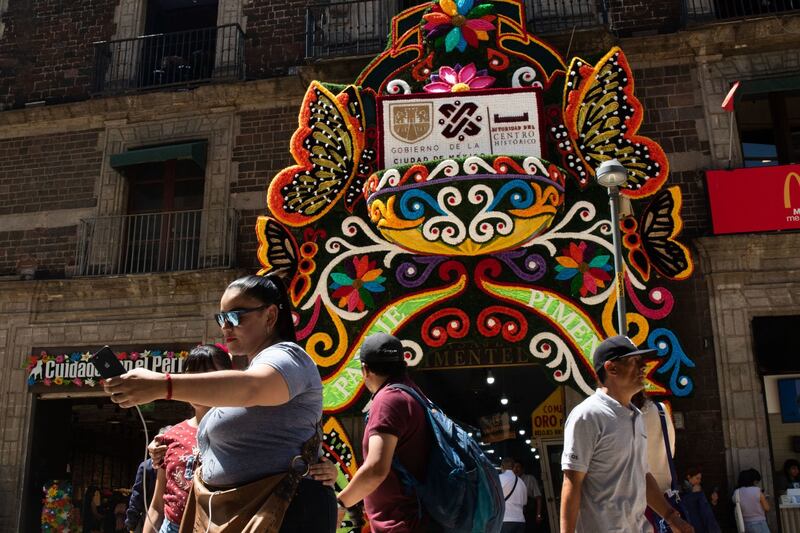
(249, 457)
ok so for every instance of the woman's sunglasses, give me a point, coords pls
(234, 317)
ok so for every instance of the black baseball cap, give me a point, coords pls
(616, 347)
(381, 348)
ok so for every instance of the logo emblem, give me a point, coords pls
(411, 122)
(787, 188)
(459, 120)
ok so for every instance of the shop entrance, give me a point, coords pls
(83, 442)
(496, 404)
(550, 453)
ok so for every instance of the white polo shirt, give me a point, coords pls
(607, 441)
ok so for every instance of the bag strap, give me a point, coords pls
(665, 432)
(406, 477)
(512, 488)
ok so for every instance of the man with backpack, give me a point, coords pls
(421, 471)
(397, 427)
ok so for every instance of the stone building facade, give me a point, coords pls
(58, 136)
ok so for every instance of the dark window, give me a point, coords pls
(775, 345)
(769, 128)
(165, 202)
(185, 47)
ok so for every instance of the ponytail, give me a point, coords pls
(270, 289)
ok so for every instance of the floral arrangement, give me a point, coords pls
(454, 25)
(57, 507)
(458, 79)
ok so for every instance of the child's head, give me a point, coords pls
(693, 475)
(206, 358)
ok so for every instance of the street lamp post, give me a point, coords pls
(612, 175)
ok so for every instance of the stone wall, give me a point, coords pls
(49, 172)
(747, 276)
(46, 50)
(275, 36)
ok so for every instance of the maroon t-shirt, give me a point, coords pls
(389, 508)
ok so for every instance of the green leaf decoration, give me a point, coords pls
(452, 39)
(480, 10)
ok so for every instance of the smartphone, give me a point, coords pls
(106, 363)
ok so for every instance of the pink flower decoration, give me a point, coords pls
(78, 382)
(59, 359)
(47, 382)
(457, 79)
(134, 356)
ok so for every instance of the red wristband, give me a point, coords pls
(169, 386)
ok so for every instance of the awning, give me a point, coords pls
(768, 85)
(194, 151)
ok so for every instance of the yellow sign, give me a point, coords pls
(787, 188)
(547, 420)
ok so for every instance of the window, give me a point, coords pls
(774, 344)
(163, 226)
(184, 41)
(769, 128)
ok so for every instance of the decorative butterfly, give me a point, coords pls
(601, 120)
(332, 160)
(278, 252)
(651, 240)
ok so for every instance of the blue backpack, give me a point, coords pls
(462, 491)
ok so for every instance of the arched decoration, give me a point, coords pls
(448, 195)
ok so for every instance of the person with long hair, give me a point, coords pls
(174, 480)
(261, 435)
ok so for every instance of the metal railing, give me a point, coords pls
(555, 16)
(348, 27)
(156, 242)
(708, 10)
(169, 59)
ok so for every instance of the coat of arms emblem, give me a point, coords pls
(411, 122)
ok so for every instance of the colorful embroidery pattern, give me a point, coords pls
(508, 247)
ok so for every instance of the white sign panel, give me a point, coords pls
(422, 127)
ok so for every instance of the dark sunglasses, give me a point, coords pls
(234, 317)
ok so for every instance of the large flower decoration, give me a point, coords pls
(457, 79)
(353, 287)
(586, 275)
(459, 23)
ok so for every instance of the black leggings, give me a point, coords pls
(313, 509)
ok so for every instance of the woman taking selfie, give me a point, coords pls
(260, 440)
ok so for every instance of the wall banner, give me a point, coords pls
(75, 369)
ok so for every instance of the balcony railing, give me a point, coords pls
(156, 242)
(555, 16)
(169, 59)
(348, 27)
(707, 10)
(357, 27)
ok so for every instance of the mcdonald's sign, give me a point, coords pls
(758, 199)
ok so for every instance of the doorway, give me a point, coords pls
(496, 404)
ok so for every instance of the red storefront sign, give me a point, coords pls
(754, 199)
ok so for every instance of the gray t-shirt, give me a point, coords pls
(242, 444)
(607, 441)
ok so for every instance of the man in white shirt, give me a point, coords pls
(606, 485)
(516, 495)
